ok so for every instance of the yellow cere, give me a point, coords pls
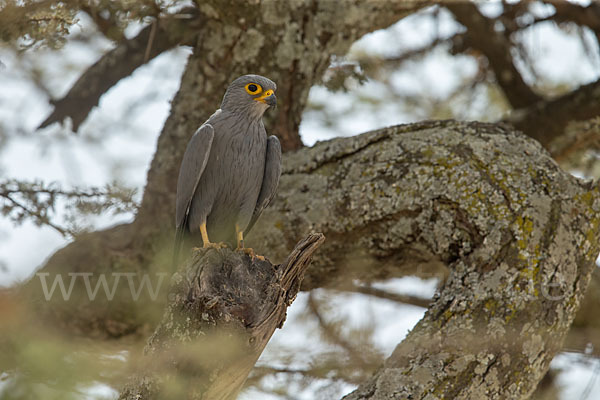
(264, 96)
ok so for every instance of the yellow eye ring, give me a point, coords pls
(253, 88)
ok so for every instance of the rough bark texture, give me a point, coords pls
(288, 41)
(519, 235)
(224, 308)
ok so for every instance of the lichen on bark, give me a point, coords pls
(518, 233)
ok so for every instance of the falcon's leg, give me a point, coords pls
(240, 244)
(240, 237)
(206, 242)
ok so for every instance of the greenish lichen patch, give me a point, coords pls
(515, 230)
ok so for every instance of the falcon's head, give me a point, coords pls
(250, 94)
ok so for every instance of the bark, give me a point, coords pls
(520, 237)
(290, 42)
(224, 309)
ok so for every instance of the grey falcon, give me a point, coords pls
(230, 169)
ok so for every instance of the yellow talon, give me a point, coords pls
(250, 252)
(207, 243)
(240, 244)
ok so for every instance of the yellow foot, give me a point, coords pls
(250, 252)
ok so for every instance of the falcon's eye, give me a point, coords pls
(253, 88)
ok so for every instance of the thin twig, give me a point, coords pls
(383, 294)
(331, 334)
(35, 214)
(154, 24)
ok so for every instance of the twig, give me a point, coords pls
(153, 25)
(382, 294)
(36, 215)
(331, 334)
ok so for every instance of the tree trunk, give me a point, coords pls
(223, 310)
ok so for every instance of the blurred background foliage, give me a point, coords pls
(70, 182)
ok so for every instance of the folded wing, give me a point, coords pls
(192, 166)
(270, 179)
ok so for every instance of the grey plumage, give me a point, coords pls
(230, 169)
(270, 179)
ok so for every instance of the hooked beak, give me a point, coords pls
(268, 98)
(271, 100)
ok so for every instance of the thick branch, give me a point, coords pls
(482, 36)
(520, 237)
(223, 311)
(547, 120)
(120, 62)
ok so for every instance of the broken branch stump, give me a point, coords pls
(223, 309)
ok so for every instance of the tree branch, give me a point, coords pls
(120, 62)
(542, 119)
(482, 36)
(38, 201)
(223, 310)
(546, 120)
(382, 294)
(583, 16)
(521, 262)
